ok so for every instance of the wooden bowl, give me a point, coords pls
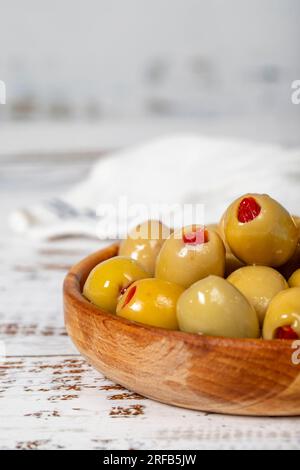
(220, 375)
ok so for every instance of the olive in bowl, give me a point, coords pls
(259, 231)
(214, 307)
(190, 254)
(294, 280)
(259, 284)
(109, 279)
(151, 302)
(283, 316)
(144, 243)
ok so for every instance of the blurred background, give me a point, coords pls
(135, 68)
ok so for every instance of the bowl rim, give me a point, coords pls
(73, 290)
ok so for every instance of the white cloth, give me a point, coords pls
(176, 169)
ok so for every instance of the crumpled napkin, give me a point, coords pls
(180, 169)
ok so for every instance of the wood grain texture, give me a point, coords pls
(231, 376)
(63, 403)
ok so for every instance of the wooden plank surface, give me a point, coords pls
(61, 402)
(50, 398)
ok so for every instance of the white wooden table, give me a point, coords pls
(50, 398)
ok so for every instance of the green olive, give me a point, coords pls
(294, 280)
(259, 231)
(152, 302)
(259, 284)
(144, 244)
(110, 279)
(215, 307)
(190, 254)
(283, 316)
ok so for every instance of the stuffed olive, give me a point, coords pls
(259, 231)
(152, 302)
(110, 279)
(191, 254)
(283, 316)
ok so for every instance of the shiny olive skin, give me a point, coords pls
(297, 222)
(106, 281)
(294, 280)
(214, 307)
(268, 240)
(184, 263)
(284, 310)
(151, 302)
(144, 244)
(259, 284)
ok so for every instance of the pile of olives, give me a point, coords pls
(238, 279)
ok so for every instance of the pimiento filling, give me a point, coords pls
(249, 210)
(130, 296)
(196, 237)
(286, 332)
